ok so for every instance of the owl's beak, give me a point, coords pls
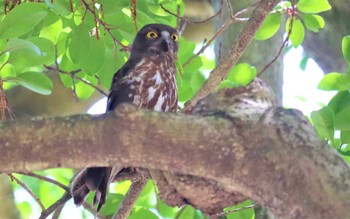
(167, 44)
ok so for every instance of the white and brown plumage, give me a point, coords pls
(148, 80)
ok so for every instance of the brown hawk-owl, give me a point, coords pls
(148, 80)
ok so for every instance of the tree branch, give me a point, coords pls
(240, 44)
(265, 153)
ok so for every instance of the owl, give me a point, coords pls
(147, 80)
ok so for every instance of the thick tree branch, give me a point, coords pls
(268, 154)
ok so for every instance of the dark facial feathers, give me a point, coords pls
(162, 43)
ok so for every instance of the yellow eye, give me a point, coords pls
(175, 37)
(152, 35)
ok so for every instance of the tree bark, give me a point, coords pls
(268, 154)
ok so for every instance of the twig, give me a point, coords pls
(133, 8)
(4, 105)
(233, 18)
(130, 198)
(60, 202)
(74, 89)
(72, 74)
(57, 212)
(284, 44)
(191, 21)
(209, 42)
(105, 26)
(44, 178)
(28, 190)
(236, 51)
(235, 210)
(93, 211)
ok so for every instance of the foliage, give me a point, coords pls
(301, 15)
(332, 122)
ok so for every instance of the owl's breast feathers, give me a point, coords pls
(150, 83)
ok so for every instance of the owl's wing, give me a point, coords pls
(98, 178)
(119, 91)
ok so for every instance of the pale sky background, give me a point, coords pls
(299, 91)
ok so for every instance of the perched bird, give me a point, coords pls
(147, 80)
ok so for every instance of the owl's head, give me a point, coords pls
(156, 39)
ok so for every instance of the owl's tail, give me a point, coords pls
(91, 179)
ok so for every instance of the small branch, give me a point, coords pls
(28, 190)
(236, 51)
(60, 202)
(285, 42)
(105, 26)
(191, 21)
(4, 105)
(93, 211)
(31, 174)
(233, 18)
(133, 8)
(72, 74)
(130, 199)
(57, 212)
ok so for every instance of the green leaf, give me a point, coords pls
(195, 65)
(142, 213)
(79, 45)
(36, 50)
(7, 71)
(47, 51)
(166, 210)
(313, 22)
(147, 198)
(342, 120)
(323, 121)
(346, 48)
(242, 74)
(298, 32)
(334, 81)
(83, 90)
(35, 81)
(52, 27)
(340, 101)
(313, 6)
(112, 62)
(95, 57)
(122, 187)
(22, 19)
(197, 80)
(345, 137)
(62, 7)
(186, 212)
(112, 202)
(19, 49)
(242, 214)
(269, 27)
(227, 84)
